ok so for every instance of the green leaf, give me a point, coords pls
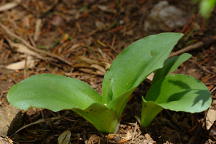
(53, 92)
(178, 93)
(133, 65)
(182, 93)
(104, 119)
(170, 65)
(148, 112)
(206, 7)
(57, 93)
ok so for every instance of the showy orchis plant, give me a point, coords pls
(127, 71)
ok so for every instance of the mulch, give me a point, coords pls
(80, 39)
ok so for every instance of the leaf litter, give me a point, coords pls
(96, 33)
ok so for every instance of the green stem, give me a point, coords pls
(103, 119)
(149, 112)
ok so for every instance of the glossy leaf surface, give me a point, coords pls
(175, 92)
(137, 61)
(170, 65)
(53, 92)
(181, 93)
(133, 65)
(57, 93)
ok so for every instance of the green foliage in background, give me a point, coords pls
(206, 7)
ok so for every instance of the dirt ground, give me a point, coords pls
(80, 38)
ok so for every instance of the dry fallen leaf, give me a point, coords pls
(28, 63)
(210, 118)
(9, 5)
(5, 140)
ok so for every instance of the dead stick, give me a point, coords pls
(206, 41)
(37, 122)
(11, 34)
(188, 48)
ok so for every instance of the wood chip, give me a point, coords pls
(9, 5)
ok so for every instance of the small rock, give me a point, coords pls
(165, 17)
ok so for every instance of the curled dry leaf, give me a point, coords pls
(5, 140)
(9, 5)
(27, 63)
(64, 137)
(210, 118)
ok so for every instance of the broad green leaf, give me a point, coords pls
(159, 94)
(181, 93)
(175, 92)
(57, 93)
(138, 60)
(53, 92)
(170, 65)
(133, 65)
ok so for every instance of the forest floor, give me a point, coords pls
(80, 38)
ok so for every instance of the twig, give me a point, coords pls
(11, 34)
(197, 45)
(37, 122)
(37, 29)
(188, 48)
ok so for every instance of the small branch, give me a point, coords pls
(188, 48)
(197, 45)
(37, 122)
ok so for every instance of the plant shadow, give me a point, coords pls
(198, 95)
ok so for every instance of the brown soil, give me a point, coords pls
(80, 39)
